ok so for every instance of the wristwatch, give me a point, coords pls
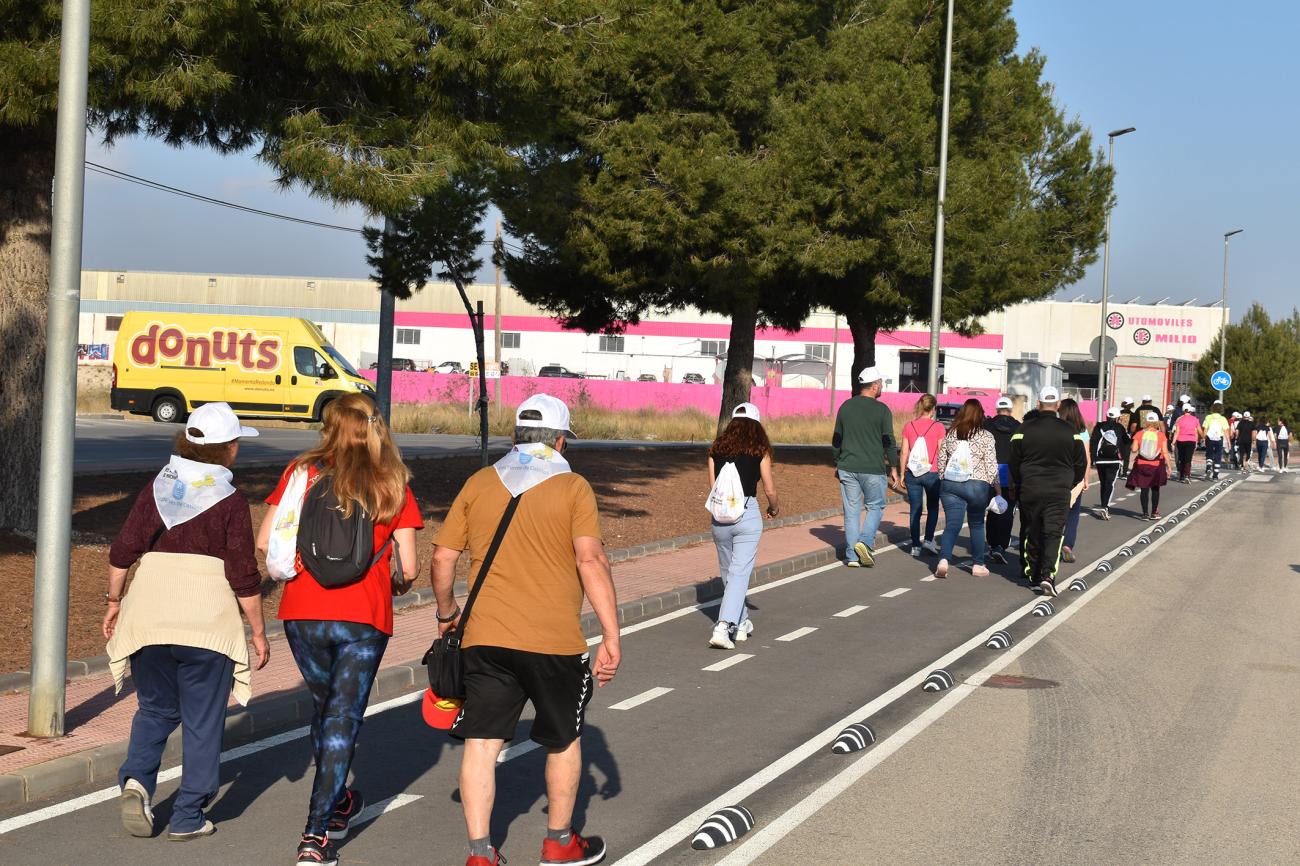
(446, 619)
(108, 599)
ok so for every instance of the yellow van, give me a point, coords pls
(168, 364)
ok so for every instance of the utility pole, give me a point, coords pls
(387, 314)
(936, 296)
(47, 700)
(496, 310)
(1105, 289)
(1223, 307)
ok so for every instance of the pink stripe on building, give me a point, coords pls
(709, 331)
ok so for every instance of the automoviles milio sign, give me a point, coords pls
(1154, 329)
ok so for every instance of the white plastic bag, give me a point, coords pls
(282, 550)
(727, 498)
(998, 505)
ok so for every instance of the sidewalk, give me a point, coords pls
(98, 722)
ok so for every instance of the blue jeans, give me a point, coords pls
(186, 686)
(923, 490)
(338, 661)
(964, 500)
(856, 490)
(737, 545)
(1072, 523)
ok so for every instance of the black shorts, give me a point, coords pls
(498, 681)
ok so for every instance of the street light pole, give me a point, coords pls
(47, 698)
(1105, 288)
(936, 296)
(1223, 307)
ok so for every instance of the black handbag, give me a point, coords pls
(443, 660)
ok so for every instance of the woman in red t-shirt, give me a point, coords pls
(338, 636)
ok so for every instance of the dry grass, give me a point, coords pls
(92, 400)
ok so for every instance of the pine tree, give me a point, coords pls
(1264, 359)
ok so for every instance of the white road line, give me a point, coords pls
(669, 837)
(797, 633)
(383, 807)
(929, 578)
(105, 794)
(687, 611)
(849, 611)
(518, 749)
(644, 697)
(895, 593)
(728, 662)
(758, 844)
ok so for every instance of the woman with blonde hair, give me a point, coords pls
(338, 629)
(920, 459)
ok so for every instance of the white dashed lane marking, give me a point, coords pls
(928, 578)
(644, 697)
(511, 752)
(797, 633)
(895, 593)
(849, 611)
(728, 662)
(383, 807)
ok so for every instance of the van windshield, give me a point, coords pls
(340, 360)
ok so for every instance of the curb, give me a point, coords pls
(291, 708)
(21, 680)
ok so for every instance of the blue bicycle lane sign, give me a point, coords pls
(1221, 380)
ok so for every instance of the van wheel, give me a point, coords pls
(167, 410)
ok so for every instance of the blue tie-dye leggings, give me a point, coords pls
(339, 661)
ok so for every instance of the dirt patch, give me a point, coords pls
(644, 496)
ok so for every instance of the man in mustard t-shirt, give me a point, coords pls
(523, 639)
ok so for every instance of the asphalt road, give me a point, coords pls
(111, 445)
(677, 734)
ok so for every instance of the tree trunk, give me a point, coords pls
(863, 327)
(25, 192)
(738, 379)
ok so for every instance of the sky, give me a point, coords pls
(1209, 86)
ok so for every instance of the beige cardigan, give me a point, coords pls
(185, 599)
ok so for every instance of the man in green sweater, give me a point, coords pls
(866, 458)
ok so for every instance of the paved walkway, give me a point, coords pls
(96, 716)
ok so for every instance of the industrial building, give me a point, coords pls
(432, 328)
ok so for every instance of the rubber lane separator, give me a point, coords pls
(849, 611)
(728, 662)
(760, 842)
(797, 633)
(895, 593)
(643, 698)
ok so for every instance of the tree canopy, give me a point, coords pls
(1264, 359)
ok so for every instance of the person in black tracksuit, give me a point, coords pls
(998, 526)
(1048, 459)
(1110, 443)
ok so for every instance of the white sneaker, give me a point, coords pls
(916, 550)
(744, 630)
(721, 637)
(137, 812)
(931, 547)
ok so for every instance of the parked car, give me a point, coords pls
(448, 367)
(693, 379)
(555, 371)
(398, 364)
(647, 377)
(946, 413)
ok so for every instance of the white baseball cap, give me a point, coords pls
(216, 423)
(746, 410)
(1236, 414)
(1152, 417)
(1248, 415)
(869, 375)
(1004, 403)
(1049, 395)
(554, 414)
(1146, 398)
(1170, 406)
(1112, 412)
(1217, 403)
(1185, 399)
(1128, 400)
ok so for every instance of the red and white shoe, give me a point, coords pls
(579, 852)
(495, 860)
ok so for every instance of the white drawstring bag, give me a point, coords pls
(282, 550)
(727, 497)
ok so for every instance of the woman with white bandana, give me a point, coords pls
(179, 628)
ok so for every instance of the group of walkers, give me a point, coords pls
(179, 629)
